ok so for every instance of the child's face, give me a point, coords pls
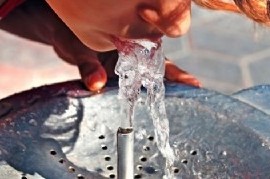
(95, 22)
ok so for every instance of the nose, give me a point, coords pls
(171, 18)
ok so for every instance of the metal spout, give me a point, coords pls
(125, 147)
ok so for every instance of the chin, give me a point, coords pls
(101, 48)
(98, 43)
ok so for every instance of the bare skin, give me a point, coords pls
(83, 34)
(132, 19)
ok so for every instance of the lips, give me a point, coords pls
(153, 37)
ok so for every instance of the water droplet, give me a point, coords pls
(33, 122)
(224, 153)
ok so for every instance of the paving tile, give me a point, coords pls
(171, 45)
(219, 86)
(225, 43)
(212, 69)
(259, 71)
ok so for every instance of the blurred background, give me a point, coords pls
(226, 52)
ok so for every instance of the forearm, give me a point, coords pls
(31, 20)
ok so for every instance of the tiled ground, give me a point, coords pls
(225, 51)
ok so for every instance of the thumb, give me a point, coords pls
(93, 75)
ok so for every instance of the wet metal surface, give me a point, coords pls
(64, 131)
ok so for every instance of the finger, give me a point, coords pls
(93, 75)
(108, 61)
(175, 74)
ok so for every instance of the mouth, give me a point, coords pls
(153, 37)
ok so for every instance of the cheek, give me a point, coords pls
(185, 24)
(180, 27)
(120, 23)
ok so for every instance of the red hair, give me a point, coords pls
(258, 10)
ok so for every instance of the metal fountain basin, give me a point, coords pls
(64, 131)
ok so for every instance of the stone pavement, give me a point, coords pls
(227, 52)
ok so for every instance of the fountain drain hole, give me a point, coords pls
(193, 152)
(61, 160)
(143, 159)
(139, 167)
(101, 137)
(176, 170)
(71, 169)
(80, 176)
(53, 152)
(104, 147)
(184, 161)
(107, 158)
(146, 148)
(137, 176)
(151, 138)
(112, 176)
(110, 167)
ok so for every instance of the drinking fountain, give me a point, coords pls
(64, 131)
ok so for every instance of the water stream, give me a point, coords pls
(142, 63)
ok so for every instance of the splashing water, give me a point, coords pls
(142, 63)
